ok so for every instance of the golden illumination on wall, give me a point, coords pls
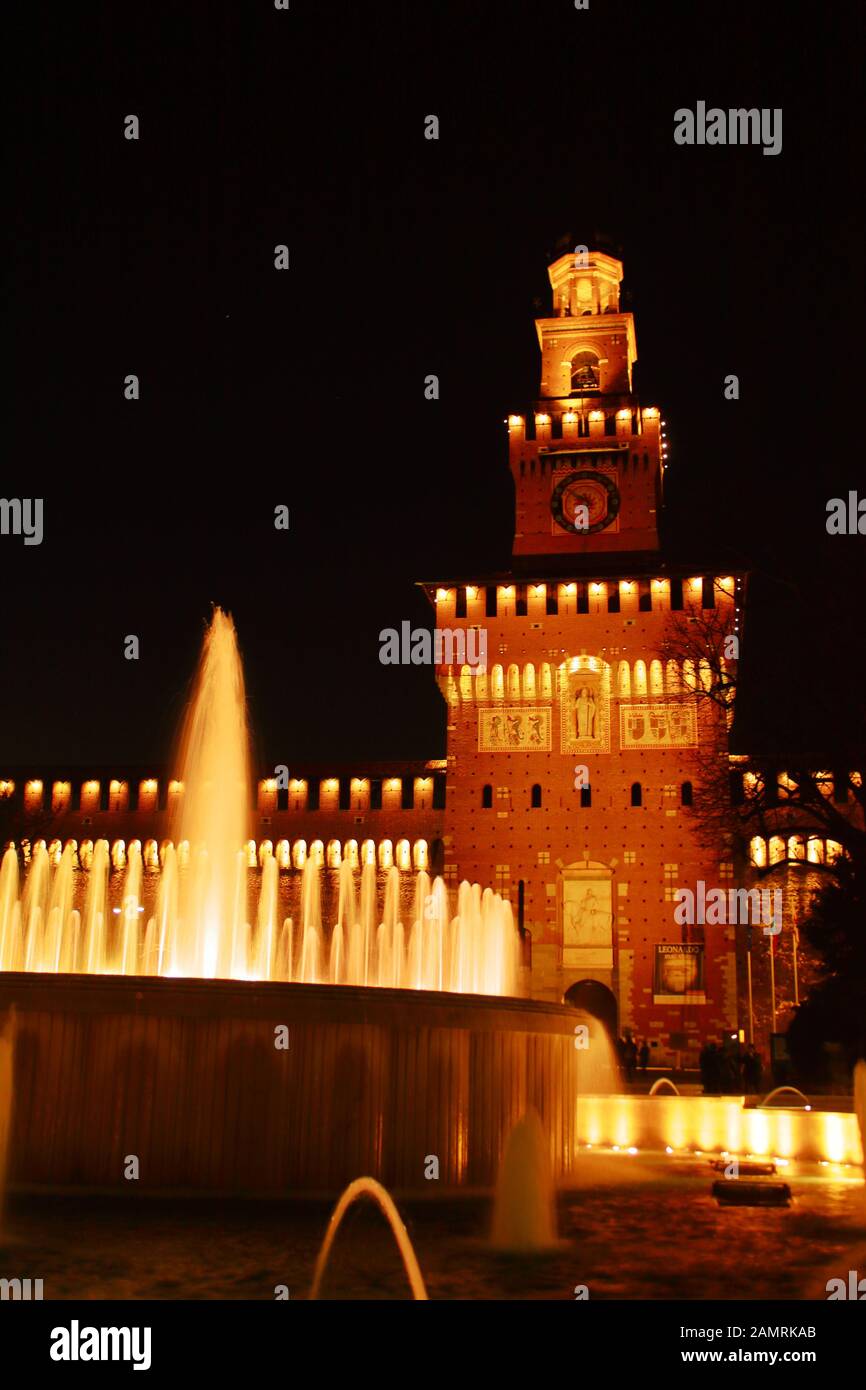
(542, 419)
(7, 788)
(147, 794)
(386, 854)
(90, 796)
(515, 421)
(651, 412)
(758, 852)
(441, 595)
(61, 796)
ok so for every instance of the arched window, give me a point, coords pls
(487, 796)
(586, 796)
(686, 794)
(584, 373)
(636, 794)
(536, 795)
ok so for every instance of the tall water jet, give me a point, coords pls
(524, 1218)
(214, 811)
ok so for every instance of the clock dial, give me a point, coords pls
(584, 502)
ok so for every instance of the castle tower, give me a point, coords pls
(587, 461)
(573, 753)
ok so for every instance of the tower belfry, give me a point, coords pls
(587, 460)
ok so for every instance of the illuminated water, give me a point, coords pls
(523, 1206)
(214, 916)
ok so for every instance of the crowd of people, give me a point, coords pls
(728, 1069)
(633, 1055)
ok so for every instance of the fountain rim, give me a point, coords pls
(32, 991)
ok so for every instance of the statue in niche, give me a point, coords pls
(585, 714)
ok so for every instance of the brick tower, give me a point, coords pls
(572, 756)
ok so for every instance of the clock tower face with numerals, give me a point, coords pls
(584, 502)
(587, 458)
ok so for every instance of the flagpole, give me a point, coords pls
(773, 980)
(749, 978)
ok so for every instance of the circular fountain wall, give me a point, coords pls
(231, 1086)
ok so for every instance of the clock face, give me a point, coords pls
(584, 502)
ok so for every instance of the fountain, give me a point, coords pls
(203, 927)
(235, 1045)
(524, 1219)
(368, 1187)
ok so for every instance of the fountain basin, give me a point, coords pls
(185, 1075)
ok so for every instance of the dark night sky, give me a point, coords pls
(407, 257)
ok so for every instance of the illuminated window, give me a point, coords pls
(671, 873)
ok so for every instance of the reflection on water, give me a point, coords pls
(656, 1235)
